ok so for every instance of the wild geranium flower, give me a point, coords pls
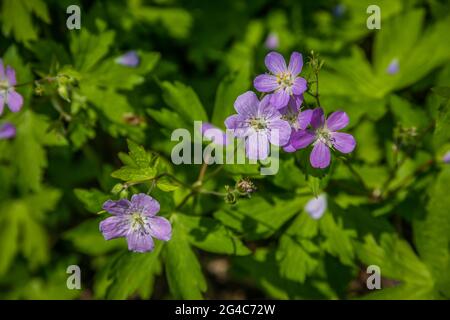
(316, 206)
(282, 82)
(272, 41)
(8, 94)
(135, 220)
(446, 157)
(299, 120)
(259, 123)
(324, 136)
(214, 134)
(7, 131)
(393, 67)
(129, 59)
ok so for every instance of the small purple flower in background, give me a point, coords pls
(214, 134)
(129, 59)
(324, 136)
(283, 82)
(446, 157)
(135, 220)
(299, 120)
(316, 207)
(7, 131)
(339, 10)
(393, 67)
(272, 41)
(8, 94)
(259, 123)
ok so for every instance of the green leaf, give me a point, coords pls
(229, 89)
(183, 270)
(209, 235)
(441, 132)
(432, 232)
(17, 18)
(183, 100)
(167, 184)
(92, 199)
(132, 174)
(442, 91)
(127, 273)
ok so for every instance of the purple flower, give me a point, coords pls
(316, 206)
(446, 157)
(129, 59)
(259, 123)
(214, 134)
(299, 120)
(7, 92)
(393, 67)
(135, 220)
(7, 131)
(272, 41)
(283, 82)
(324, 136)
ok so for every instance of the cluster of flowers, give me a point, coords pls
(10, 97)
(278, 117)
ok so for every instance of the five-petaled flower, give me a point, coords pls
(259, 123)
(283, 82)
(8, 94)
(135, 220)
(7, 131)
(317, 206)
(323, 135)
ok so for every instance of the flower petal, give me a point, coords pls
(317, 118)
(295, 63)
(160, 228)
(280, 132)
(302, 138)
(316, 206)
(7, 131)
(299, 86)
(320, 156)
(337, 121)
(304, 119)
(11, 76)
(140, 241)
(275, 62)
(118, 207)
(257, 146)
(14, 100)
(129, 59)
(114, 227)
(265, 83)
(343, 142)
(144, 203)
(247, 104)
(279, 99)
(2, 103)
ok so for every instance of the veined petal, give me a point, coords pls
(302, 138)
(265, 83)
(295, 63)
(14, 100)
(317, 118)
(320, 155)
(140, 241)
(343, 142)
(257, 146)
(11, 76)
(279, 98)
(247, 104)
(118, 207)
(337, 121)
(280, 132)
(304, 119)
(299, 86)
(144, 203)
(275, 62)
(160, 228)
(114, 227)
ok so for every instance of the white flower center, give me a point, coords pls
(285, 80)
(324, 135)
(4, 84)
(138, 222)
(258, 123)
